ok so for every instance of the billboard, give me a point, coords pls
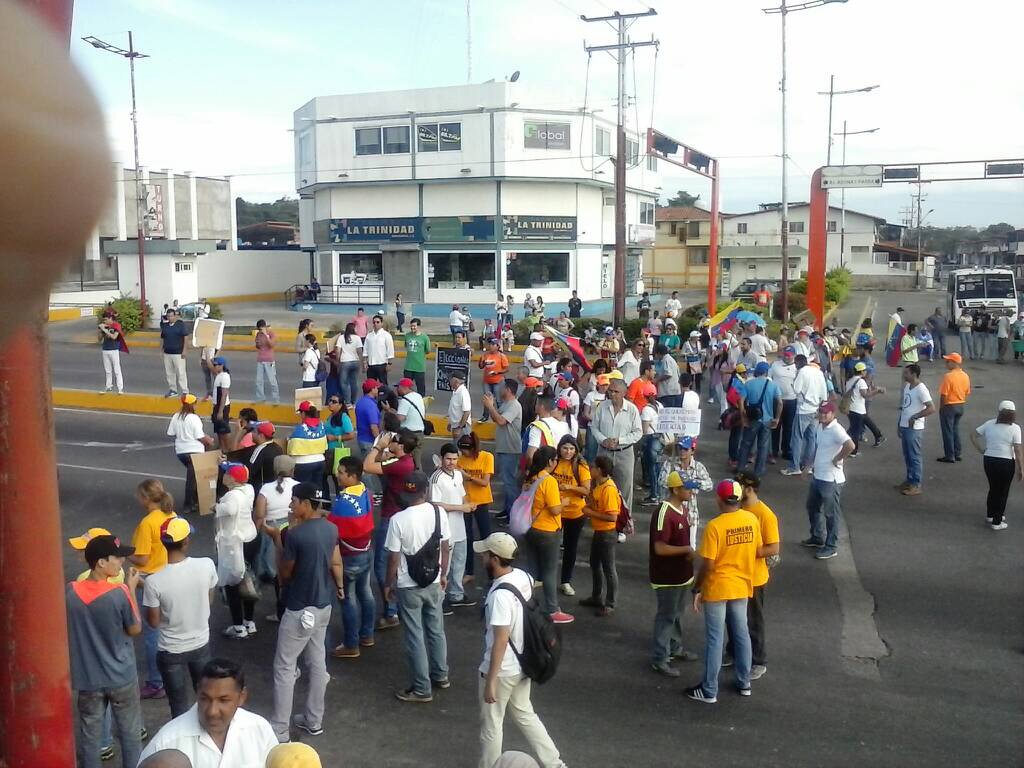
(539, 227)
(545, 135)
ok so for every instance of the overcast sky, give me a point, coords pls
(218, 92)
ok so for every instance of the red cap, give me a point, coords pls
(729, 490)
(648, 390)
(407, 383)
(304, 406)
(563, 404)
(238, 472)
(369, 385)
(266, 429)
(827, 407)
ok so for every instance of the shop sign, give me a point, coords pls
(539, 227)
(545, 135)
(455, 229)
(404, 230)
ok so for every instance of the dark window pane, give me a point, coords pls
(396, 140)
(538, 270)
(426, 138)
(367, 141)
(450, 135)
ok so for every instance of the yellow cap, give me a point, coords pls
(615, 374)
(79, 542)
(674, 480)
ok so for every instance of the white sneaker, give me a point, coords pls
(757, 671)
(236, 631)
(250, 627)
(1001, 527)
(566, 589)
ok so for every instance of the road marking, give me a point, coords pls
(65, 409)
(860, 647)
(135, 445)
(121, 471)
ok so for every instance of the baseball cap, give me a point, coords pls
(602, 379)
(266, 429)
(80, 542)
(566, 376)
(533, 381)
(674, 480)
(536, 336)
(761, 368)
(100, 547)
(407, 383)
(293, 754)
(900, 309)
(1007, 405)
(304, 406)
(369, 385)
(741, 368)
(788, 351)
(694, 334)
(953, 356)
(493, 340)
(237, 472)
(563, 404)
(615, 374)
(219, 360)
(415, 485)
(175, 530)
(498, 543)
(189, 399)
(729, 490)
(464, 442)
(648, 390)
(827, 407)
(860, 367)
(806, 329)
(308, 492)
(687, 442)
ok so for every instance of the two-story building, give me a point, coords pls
(681, 244)
(456, 194)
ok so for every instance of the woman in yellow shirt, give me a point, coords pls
(477, 468)
(603, 506)
(573, 476)
(544, 538)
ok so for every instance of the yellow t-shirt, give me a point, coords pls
(604, 499)
(769, 535)
(547, 497)
(572, 503)
(730, 541)
(146, 540)
(482, 465)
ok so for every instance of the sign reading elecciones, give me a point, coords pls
(545, 135)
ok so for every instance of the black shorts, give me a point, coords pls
(222, 426)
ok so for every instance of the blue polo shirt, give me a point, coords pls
(762, 386)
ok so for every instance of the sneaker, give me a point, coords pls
(812, 543)
(697, 694)
(743, 691)
(912, 490)
(773, 459)
(366, 642)
(879, 441)
(727, 661)
(566, 589)
(1000, 527)
(387, 622)
(711, 400)
(790, 472)
(559, 617)
(665, 669)
(446, 607)
(591, 602)
(444, 684)
(149, 691)
(300, 722)
(684, 656)
(411, 696)
(957, 458)
(236, 632)
(344, 652)
(170, 393)
(250, 627)
(106, 753)
(757, 671)
(604, 610)
(946, 460)
(464, 602)
(825, 553)
(103, 392)
(143, 733)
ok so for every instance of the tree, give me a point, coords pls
(683, 199)
(282, 209)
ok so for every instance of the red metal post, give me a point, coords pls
(816, 250)
(713, 244)
(35, 685)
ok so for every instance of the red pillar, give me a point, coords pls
(713, 245)
(816, 250)
(35, 687)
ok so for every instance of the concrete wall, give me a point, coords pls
(212, 197)
(243, 273)
(891, 281)
(403, 273)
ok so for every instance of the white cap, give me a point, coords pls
(499, 543)
(694, 333)
(536, 336)
(1007, 405)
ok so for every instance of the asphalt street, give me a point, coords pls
(923, 579)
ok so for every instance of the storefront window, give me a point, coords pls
(460, 271)
(359, 264)
(530, 269)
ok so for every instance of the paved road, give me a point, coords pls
(927, 579)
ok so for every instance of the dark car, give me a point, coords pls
(745, 290)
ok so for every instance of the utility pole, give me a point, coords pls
(832, 93)
(842, 197)
(622, 22)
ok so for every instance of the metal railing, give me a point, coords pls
(368, 294)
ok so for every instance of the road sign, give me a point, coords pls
(840, 176)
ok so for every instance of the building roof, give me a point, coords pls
(899, 250)
(681, 213)
(774, 208)
(759, 252)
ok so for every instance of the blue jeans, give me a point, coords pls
(173, 667)
(359, 608)
(939, 342)
(493, 389)
(966, 350)
(507, 466)
(380, 564)
(802, 443)
(348, 376)
(716, 614)
(426, 650)
(823, 511)
(760, 435)
(150, 638)
(650, 451)
(949, 421)
(268, 370)
(590, 446)
(456, 570)
(911, 439)
(127, 711)
(668, 622)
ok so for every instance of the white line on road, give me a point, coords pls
(120, 471)
(118, 413)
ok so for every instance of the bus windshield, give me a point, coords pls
(999, 287)
(970, 287)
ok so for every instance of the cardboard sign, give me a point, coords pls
(205, 466)
(315, 396)
(451, 361)
(208, 333)
(679, 421)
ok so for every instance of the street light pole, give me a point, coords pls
(832, 93)
(842, 195)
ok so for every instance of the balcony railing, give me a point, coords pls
(371, 294)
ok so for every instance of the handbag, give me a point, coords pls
(428, 426)
(248, 587)
(847, 399)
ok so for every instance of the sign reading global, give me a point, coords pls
(545, 135)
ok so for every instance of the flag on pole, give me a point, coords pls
(572, 344)
(894, 343)
(725, 319)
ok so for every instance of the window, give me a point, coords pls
(443, 137)
(672, 229)
(693, 229)
(652, 163)
(460, 271)
(999, 286)
(646, 213)
(367, 141)
(396, 140)
(369, 264)
(741, 228)
(697, 255)
(796, 227)
(602, 142)
(858, 249)
(531, 269)
(632, 152)
(831, 226)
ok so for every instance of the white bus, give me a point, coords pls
(981, 288)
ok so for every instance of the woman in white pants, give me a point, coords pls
(112, 342)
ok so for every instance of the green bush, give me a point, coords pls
(130, 313)
(216, 313)
(799, 286)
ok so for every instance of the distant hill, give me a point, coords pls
(284, 209)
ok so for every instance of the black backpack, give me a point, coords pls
(425, 563)
(754, 410)
(542, 641)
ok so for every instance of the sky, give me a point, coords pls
(217, 93)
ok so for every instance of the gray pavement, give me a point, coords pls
(925, 577)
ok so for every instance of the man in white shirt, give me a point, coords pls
(783, 372)
(670, 392)
(811, 391)
(617, 429)
(803, 343)
(915, 405)
(546, 429)
(456, 320)
(460, 417)
(760, 344)
(216, 731)
(673, 306)
(629, 361)
(502, 682)
(832, 446)
(426, 649)
(448, 491)
(533, 358)
(379, 351)
(177, 602)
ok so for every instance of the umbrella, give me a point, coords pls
(746, 316)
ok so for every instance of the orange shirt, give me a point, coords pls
(572, 503)
(495, 366)
(633, 392)
(956, 386)
(482, 465)
(547, 497)
(604, 499)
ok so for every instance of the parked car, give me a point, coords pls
(745, 290)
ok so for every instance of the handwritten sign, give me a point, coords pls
(451, 361)
(679, 421)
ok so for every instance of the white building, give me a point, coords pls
(460, 193)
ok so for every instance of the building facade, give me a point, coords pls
(681, 245)
(454, 195)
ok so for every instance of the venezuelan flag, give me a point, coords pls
(724, 319)
(894, 344)
(572, 344)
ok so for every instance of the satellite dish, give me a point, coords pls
(515, 76)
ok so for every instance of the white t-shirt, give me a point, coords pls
(411, 406)
(182, 593)
(455, 318)
(829, 440)
(1003, 327)
(408, 531)
(783, 376)
(450, 489)
(349, 352)
(672, 307)
(999, 438)
(592, 399)
(649, 419)
(459, 404)
(857, 387)
(503, 609)
(533, 359)
(379, 347)
(810, 388)
(310, 361)
(760, 345)
(629, 366)
(914, 402)
(277, 503)
(223, 381)
(654, 325)
(186, 433)
(559, 429)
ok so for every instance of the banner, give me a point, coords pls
(679, 421)
(206, 467)
(208, 333)
(312, 395)
(449, 361)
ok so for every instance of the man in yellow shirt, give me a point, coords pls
(766, 558)
(953, 393)
(724, 583)
(603, 507)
